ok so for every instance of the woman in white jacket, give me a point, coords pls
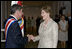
(48, 31)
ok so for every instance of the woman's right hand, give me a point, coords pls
(31, 37)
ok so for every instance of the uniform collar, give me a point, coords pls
(14, 17)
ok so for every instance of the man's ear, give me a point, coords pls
(17, 12)
(21, 10)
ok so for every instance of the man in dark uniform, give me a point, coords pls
(13, 32)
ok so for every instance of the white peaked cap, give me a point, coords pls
(13, 2)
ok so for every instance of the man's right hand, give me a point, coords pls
(30, 37)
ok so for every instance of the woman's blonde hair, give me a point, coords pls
(46, 9)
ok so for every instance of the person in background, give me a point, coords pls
(38, 23)
(57, 18)
(69, 31)
(63, 31)
(24, 24)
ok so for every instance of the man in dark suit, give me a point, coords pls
(69, 31)
(13, 32)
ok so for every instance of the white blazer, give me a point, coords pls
(48, 36)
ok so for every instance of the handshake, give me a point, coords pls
(30, 37)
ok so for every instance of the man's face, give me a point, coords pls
(20, 13)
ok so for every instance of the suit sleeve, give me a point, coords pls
(17, 34)
(55, 35)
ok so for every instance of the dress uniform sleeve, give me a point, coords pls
(55, 35)
(18, 36)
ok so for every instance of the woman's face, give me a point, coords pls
(44, 14)
(63, 18)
